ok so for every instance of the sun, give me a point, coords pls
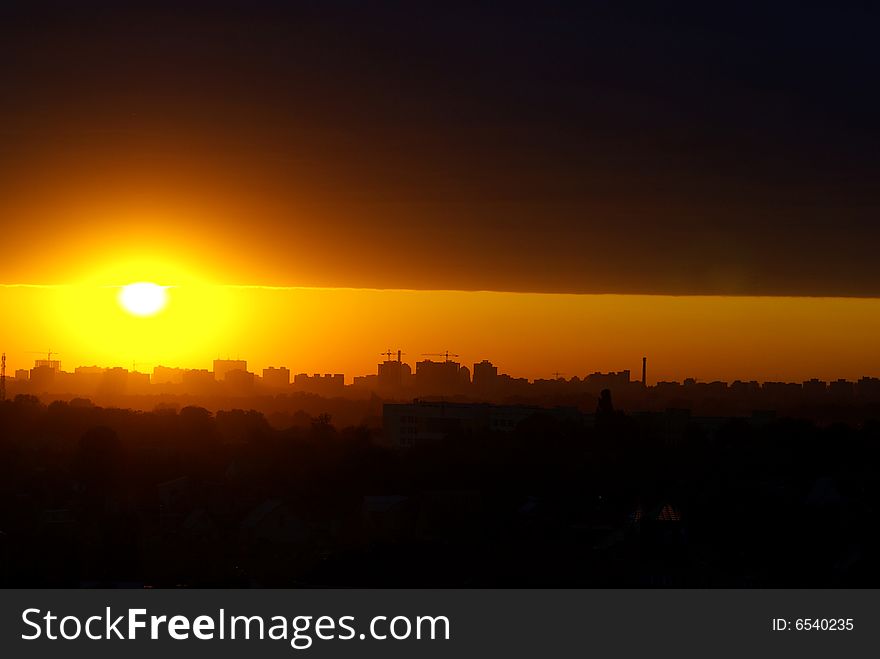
(143, 298)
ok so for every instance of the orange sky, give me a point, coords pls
(532, 335)
(354, 165)
(216, 229)
(82, 244)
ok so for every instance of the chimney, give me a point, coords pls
(644, 371)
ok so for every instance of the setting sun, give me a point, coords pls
(143, 298)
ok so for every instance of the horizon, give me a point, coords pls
(563, 190)
(530, 335)
(349, 378)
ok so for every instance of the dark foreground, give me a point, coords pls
(107, 497)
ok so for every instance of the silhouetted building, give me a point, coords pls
(90, 370)
(441, 378)
(113, 382)
(841, 389)
(557, 386)
(814, 388)
(238, 381)
(167, 375)
(745, 389)
(715, 388)
(276, 378)
(393, 375)
(868, 388)
(486, 378)
(613, 380)
(54, 364)
(776, 393)
(22, 374)
(323, 385)
(223, 366)
(668, 389)
(88, 378)
(42, 378)
(511, 386)
(198, 381)
(365, 382)
(138, 383)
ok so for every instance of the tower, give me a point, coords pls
(3, 377)
(644, 371)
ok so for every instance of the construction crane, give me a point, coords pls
(557, 375)
(48, 353)
(445, 355)
(388, 353)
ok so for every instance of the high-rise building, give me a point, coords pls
(54, 364)
(323, 385)
(239, 381)
(815, 388)
(276, 378)
(485, 378)
(167, 375)
(841, 389)
(42, 378)
(199, 381)
(223, 366)
(393, 375)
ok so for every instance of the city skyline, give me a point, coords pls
(562, 191)
(338, 330)
(395, 375)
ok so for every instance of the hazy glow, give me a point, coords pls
(143, 298)
(338, 330)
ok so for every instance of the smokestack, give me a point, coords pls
(644, 371)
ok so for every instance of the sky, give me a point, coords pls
(703, 153)
(535, 335)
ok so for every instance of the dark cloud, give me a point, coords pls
(686, 148)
